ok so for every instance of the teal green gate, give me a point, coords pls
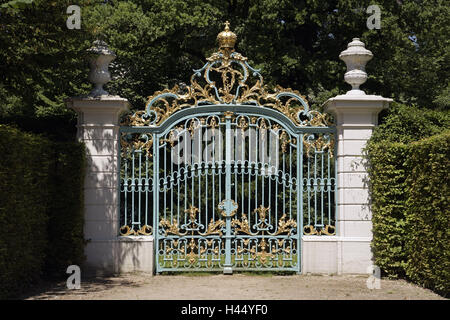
(226, 175)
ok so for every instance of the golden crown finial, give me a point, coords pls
(226, 38)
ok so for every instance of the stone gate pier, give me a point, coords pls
(356, 116)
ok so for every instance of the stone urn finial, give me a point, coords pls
(356, 57)
(99, 57)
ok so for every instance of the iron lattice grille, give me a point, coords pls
(280, 181)
(228, 174)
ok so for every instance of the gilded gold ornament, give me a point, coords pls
(328, 230)
(222, 211)
(284, 140)
(241, 225)
(234, 87)
(171, 228)
(214, 227)
(321, 143)
(145, 230)
(285, 226)
(309, 230)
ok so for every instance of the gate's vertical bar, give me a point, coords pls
(329, 187)
(213, 170)
(206, 175)
(220, 160)
(257, 148)
(140, 189)
(125, 188)
(321, 188)
(315, 187)
(227, 265)
(132, 188)
(284, 183)
(165, 177)
(186, 174)
(171, 184)
(119, 167)
(235, 166)
(156, 199)
(308, 187)
(242, 169)
(249, 168)
(300, 201)
(146, 188)
(336, 207)
(290, 182)
(199, 168)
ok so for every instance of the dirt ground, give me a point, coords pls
(237, 286)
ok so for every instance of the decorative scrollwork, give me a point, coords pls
(284, 141)
(328, 230)
(266, 251)
(192, 255)
(172, 138)
(214, 227)
(241, 225)
(145, 230)
(260, 248)
(261, 227)
(242, 125)
(285, 226)
(143, 142)
(193, 226)
(227, 80)
(171, 227)
(228, 206)
(317, 144)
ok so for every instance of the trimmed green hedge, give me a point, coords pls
(428, 208)
(40, 208)
(409, 186)
(65, 210)
(387, 174)
(402, 123)
(24, 176)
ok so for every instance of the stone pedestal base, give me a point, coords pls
(336, 255)
(124, 254)
(326, 255)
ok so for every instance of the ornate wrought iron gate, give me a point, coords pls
(227, 176)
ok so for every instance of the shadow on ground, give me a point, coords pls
(89, 285)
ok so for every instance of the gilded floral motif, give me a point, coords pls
(224, 80)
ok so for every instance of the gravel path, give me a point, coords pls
(237, 286)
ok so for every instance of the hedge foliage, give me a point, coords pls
(409, 186)
(65, 210)
(388, 194)
(403, 123)
(40, 208)
(428, 208)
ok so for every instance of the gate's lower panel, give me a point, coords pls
(190, 253)
(208, 253)
(265, 253)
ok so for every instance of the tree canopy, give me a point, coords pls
(296, 44)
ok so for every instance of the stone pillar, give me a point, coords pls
(356, 116)
(98, 129)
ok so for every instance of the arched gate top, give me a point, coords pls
(227, 79)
